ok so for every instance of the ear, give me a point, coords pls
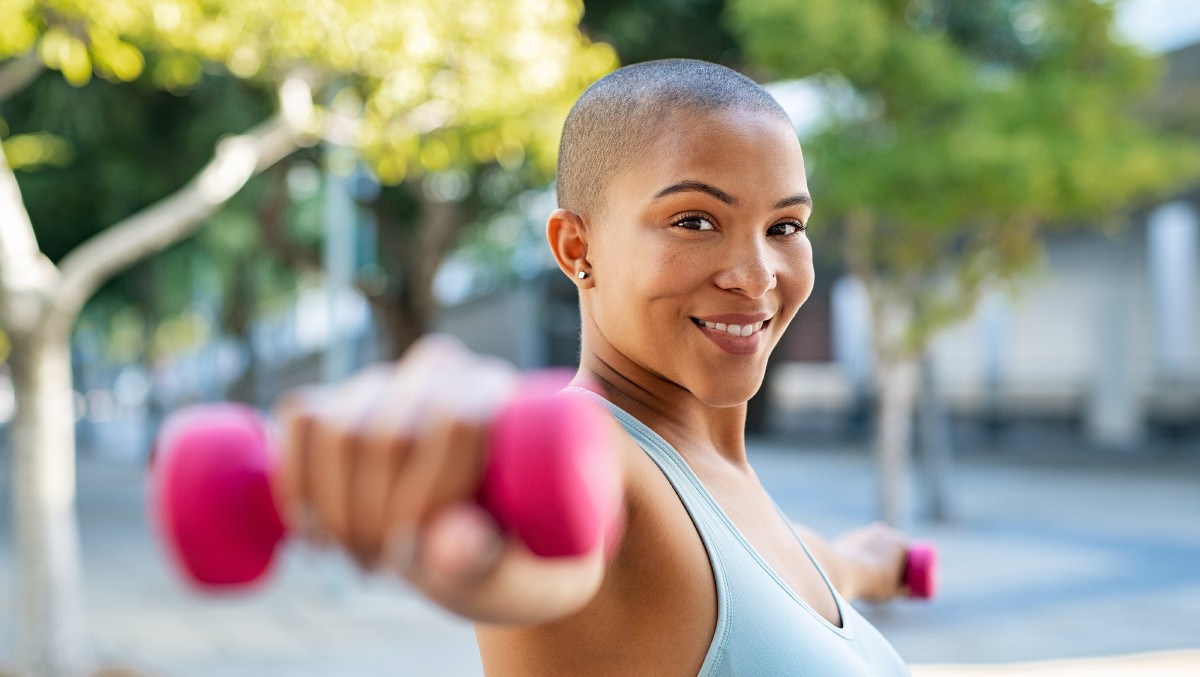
(568, 237)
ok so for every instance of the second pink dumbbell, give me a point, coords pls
(920, 570)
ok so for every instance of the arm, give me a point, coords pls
(500, 582)
(866, 563)
(387, 466)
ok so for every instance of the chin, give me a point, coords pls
(724, 394)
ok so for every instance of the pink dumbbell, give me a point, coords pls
(920, 570)
(552, 479)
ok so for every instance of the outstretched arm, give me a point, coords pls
(387, 465)
(467, 566)
(865, 563)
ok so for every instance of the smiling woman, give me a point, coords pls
(683, 208)
(683, 197)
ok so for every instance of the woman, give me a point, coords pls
(683, 205)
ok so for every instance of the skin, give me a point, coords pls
(710, 223)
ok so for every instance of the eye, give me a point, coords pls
(787, 228)
(697, 222)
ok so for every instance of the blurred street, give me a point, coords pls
(1049, 558)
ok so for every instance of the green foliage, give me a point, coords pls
(977, 125)
(433, 88)
(791, 38)
(440, 84)
(129, 146)
(642, 31)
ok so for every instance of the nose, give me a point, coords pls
(748, 270)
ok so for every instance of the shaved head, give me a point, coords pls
(621, 114)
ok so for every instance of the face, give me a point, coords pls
(699, 258)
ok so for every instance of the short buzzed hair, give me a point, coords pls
(618, 116)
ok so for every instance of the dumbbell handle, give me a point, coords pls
(552, 479)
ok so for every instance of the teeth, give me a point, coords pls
(739, 330)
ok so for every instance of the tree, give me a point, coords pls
(499, 74)
(959, 132)
(122, 147)
(668, 29)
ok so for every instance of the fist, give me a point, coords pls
(877, 552)
(387, 463)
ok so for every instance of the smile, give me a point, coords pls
(739, 330)
(744, 338)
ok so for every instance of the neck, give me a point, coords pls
(686, 423)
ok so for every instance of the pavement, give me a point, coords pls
(1074, 564)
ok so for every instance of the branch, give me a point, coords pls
(171, 219)
(15, 75)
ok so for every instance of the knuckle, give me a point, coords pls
(377, 449)
(460, 431)
(295, 402)
(347, 440)
(299, 419)
(433, 345)
(436, 415)
(334, 437)
(399, 445)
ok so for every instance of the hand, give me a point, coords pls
(876, 555)
(386, 464)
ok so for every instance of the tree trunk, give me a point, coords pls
(38, 307)
(402, 320)
(895, 367)
(898, 383)
(412, 257)
(53, 639)
(937, 449)
(240, 300)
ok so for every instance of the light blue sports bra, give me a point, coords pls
(764, 629)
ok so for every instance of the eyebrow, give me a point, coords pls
(701, 187)
(801, 199)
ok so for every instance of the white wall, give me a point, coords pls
(1088, 332)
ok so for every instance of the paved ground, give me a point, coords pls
(1047, 560)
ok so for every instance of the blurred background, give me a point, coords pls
(219, 201)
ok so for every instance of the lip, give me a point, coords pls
(736, 345)
(736, 318)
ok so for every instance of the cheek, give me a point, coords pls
(799, 279)
(651, 274)
(808, 280)
(635, 283)
(670, 274)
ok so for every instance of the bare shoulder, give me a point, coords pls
(655, 612)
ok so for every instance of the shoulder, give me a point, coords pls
(659, 570)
